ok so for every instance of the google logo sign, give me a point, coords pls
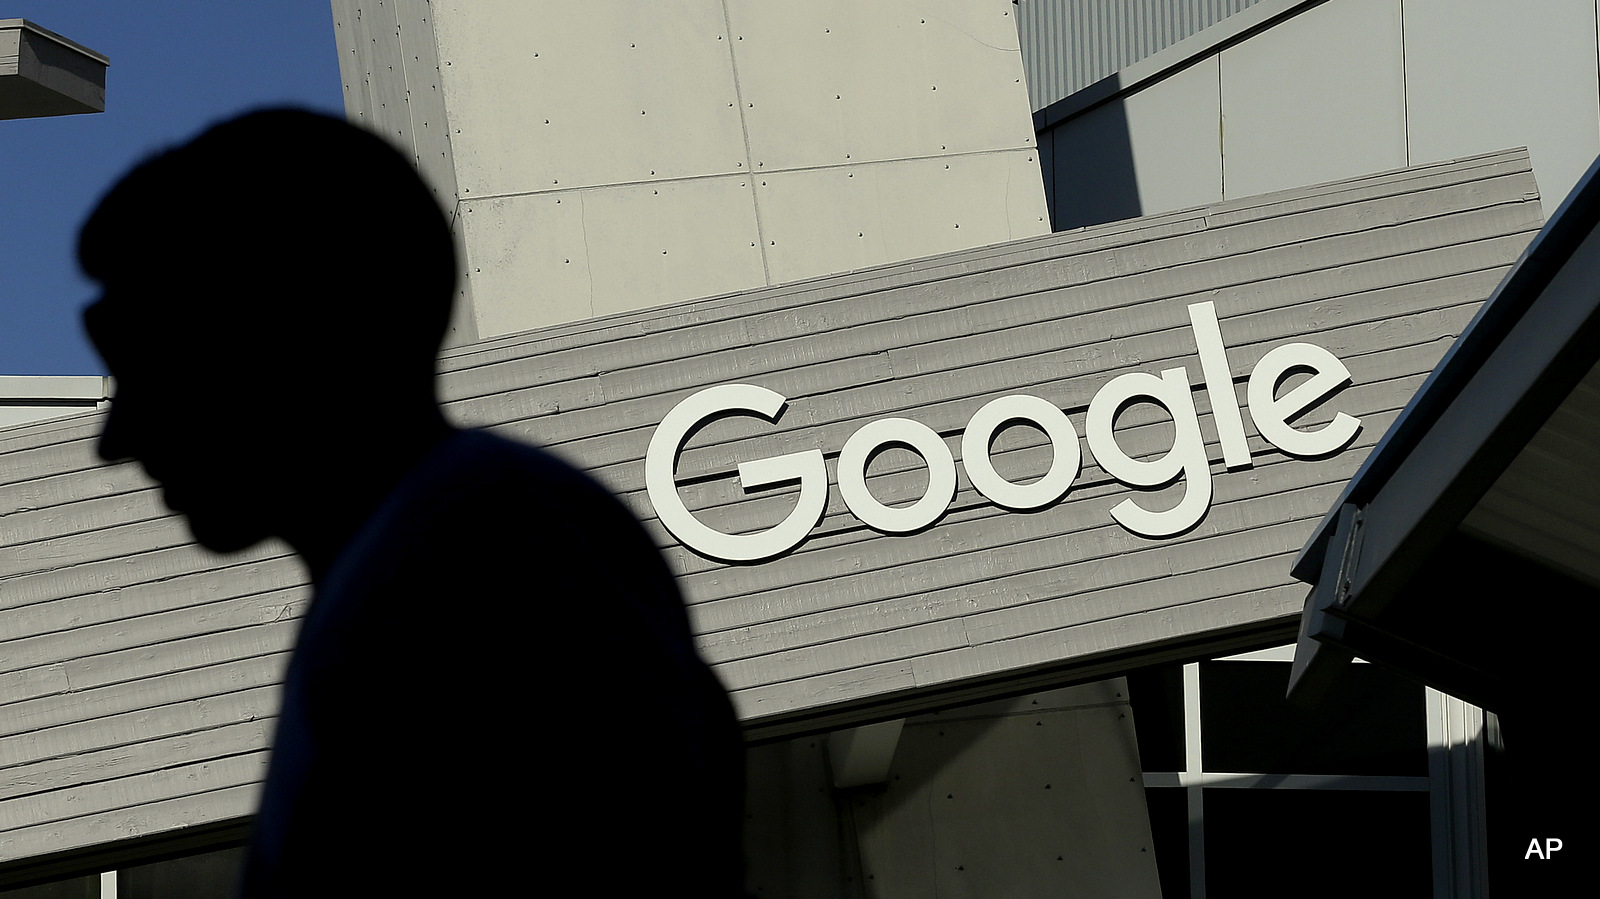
(1186, 459)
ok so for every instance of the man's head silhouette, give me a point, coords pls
(274, 294)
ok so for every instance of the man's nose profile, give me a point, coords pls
(301, 406)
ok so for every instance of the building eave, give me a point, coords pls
(1515, 364)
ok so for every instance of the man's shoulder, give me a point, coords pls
(484, 487)
(499, 469)
(482, 508)
(494, 449)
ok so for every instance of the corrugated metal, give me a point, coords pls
(138, 675)
(1068, 45)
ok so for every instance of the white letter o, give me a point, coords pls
(1043, 415)
(927, 444)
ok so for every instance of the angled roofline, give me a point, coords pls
(70, 44)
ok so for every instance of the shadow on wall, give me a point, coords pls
(1088, 167)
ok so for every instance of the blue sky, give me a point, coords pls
(176, 66)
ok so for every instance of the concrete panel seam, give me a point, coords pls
(744, 135)
(424, 33)
(1405, 82)
(726, 175)
(583, 228)
(1222, 142)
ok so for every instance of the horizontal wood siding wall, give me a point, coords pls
(138, 673)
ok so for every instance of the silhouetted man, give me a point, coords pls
(494, 691)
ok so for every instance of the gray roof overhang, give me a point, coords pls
(44, 74)
(1411, 566)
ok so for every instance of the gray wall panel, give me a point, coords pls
(1175, 136)
(110, 764)
(1323, 90)
(159, 816)
(1482, 74)
(836, 81)
(137, 789)
(1318, 98)
(800, 139)
(122, 641)
(59, 748)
